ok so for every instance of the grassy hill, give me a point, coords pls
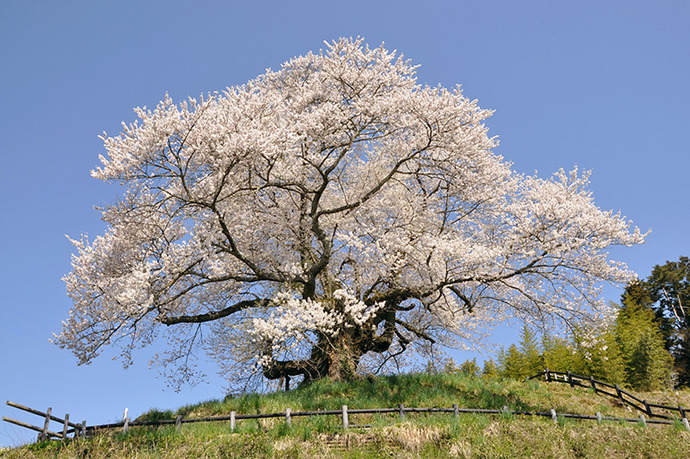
(419, 435)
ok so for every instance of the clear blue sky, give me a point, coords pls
(599, 84)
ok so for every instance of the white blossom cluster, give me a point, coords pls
(293, 318)
(354, 310)
(292, 322)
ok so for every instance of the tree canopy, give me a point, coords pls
(667, 292)
(326, 213)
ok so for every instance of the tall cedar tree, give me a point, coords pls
(524, 359)
(647, 362)
(667, 292)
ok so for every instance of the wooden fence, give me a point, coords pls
(43, 432)
(81, 430)
(617, 393)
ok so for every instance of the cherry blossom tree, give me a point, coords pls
(324, 213)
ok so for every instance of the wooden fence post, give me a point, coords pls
(570, 379)
(44, 434)
(401, 409)
(288, 416)
(681, 410)
(178, 423)
(548, 375)
(554, 416)
(598, 414)
(456, 410)
(83, 428)
(593, 384)
(686, 424)
(232, 421)
(647, 408)
(64, 427)
(346, 421)
(643, 421)
(125, 421)
(618, 393)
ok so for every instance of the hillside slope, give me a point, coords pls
(418, 435)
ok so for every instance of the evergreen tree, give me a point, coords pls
(522, 361)
(450, 366)
(558, 353)
(647, 363)
(469, 368)
(667, 293)
(630, 352)
(490, 368)
(533, 360)
(597, 354)
(511, 363)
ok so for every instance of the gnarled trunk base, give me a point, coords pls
(333, 357)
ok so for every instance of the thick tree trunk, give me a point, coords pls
(343, 358)
(337, 357)
(334, 357)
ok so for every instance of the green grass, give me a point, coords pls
(415, 390)
(419, 435)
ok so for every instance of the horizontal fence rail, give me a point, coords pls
(81, 430)
(624, 396)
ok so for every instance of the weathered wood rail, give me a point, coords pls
(601, 387)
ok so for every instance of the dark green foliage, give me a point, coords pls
(649, 340)
(667, 293)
